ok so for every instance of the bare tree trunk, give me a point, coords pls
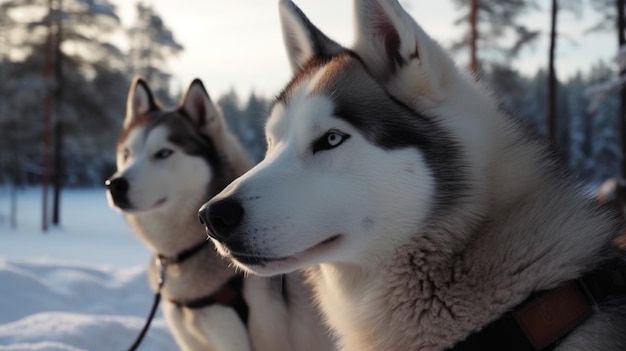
(551, 113)
(58, 172)
(45, 152)
(13, 212)
(551, 105)
(58, 131)
(473, 21)
(587, 142)
(621, 184)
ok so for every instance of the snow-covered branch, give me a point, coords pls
(599, 92)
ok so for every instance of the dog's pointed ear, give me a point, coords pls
(389, 41)
(197, 105)
(302, 39)
(139, 101)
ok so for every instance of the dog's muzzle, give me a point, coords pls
(221, 218)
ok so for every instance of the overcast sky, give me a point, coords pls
(237, 43)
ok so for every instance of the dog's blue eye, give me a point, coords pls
(330, 140)
(163, 154)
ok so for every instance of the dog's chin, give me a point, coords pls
(272, 265)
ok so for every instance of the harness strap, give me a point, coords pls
(230, 294)
(155, 304)
(163, 261)
(542, 321)
(146, 326)
(183, 255)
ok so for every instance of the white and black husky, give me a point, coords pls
(425, 217)
(171, 161)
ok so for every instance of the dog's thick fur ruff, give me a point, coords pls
(420, 211)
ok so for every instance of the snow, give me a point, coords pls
(76, 288)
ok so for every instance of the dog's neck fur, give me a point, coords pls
(176, 234)
(447, 281)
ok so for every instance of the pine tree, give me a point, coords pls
(84, 55)
(614, 19)
(246, 122)
(255, 114)
(580, 126)
(489, 23)
(152, 43)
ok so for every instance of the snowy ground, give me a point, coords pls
(79, 287)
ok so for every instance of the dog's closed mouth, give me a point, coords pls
(127, 207)
(328, 241)
(156, 205)
(159, 203)
(256, 260)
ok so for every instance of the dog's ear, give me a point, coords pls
(302, 39)
(139, 101)
(197, 105)
(392, 44)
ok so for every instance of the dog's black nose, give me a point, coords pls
(117, 186)
(221, 217)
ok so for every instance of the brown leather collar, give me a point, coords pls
(545, 318)
(553, 314)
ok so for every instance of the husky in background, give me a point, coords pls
(171, 161)
(425, 218)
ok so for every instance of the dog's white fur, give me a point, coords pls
(171, 225)
(390, 275)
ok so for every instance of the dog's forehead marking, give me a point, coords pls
(305, 86)
(303, 114)
(157, 136)
(144, 122)
(133, 139)
(287, 111)
(338, 74)
(178, 129)
(340, 87)
(139, 122)
(141, 140)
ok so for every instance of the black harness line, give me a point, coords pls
(155, 304)
(230, 294)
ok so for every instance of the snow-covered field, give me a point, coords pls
(79, 287)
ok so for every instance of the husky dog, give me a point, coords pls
(171, 161)
(424, 217)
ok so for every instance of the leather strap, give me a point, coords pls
(544, 319)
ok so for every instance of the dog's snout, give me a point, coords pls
(117, 186)
(221, 217)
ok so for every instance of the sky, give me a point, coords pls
(237, 44)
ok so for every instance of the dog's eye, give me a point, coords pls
(163, 154)
(125, 154)
(330, 140)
